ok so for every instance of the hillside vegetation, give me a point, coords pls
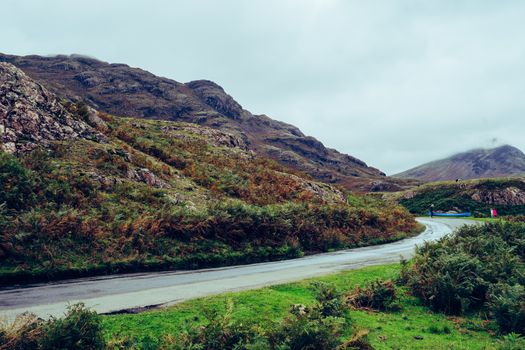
(506, 195)
(160, 195)
(480, 268)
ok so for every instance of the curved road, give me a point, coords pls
(121, 292)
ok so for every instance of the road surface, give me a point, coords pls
(121, 292)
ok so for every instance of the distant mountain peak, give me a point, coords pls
(501, 161)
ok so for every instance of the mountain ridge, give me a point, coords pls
(87, 193)
(502, 161)
(121, 90)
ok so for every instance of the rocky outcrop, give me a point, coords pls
(213, 137)
(147, 176)
(124, 91)
(215, 97)
(505, 196)
(31, 115)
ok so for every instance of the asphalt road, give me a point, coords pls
(114, 293)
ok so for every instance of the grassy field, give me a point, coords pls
(414, 327)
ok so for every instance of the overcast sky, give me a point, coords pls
(394, 83)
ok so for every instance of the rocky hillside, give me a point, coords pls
(475, 164)
(506, 195)
(84, 193)
(124, 91)
(30, 115)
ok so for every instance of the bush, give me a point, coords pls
(329, 300)
(512, 341)
(378, 295)
(454, 274)
(307, 328)
(79, 329)
(315, 327)
(507, 306)
(16, 183)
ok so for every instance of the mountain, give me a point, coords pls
(85, 193)
(478, 163)
(120, 90)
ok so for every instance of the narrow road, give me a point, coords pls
(121, 292)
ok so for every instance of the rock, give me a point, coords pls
(213, 136)
(95, 121)
(506, 196)
(147, 176)
(384, 186)
(215, 96)
(30, 115)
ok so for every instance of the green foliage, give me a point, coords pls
(270, 305)
(329, 300)
(163, 195)
(507, 305)
(512, 341)
(307, 328)
(447, 197)
(318, 326)
(16, 183)
(480, 267)
(378, 295)
(438, 329)
(79, 329)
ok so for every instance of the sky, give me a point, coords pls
(395, 83)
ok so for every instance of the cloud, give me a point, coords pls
(395, 83)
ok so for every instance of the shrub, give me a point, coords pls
(329, 300)
(378, 295)
(437, 329)
(219, 332)
(24, 333)
(307, 328)
(16, 183)
(79, 329)
(316, 327)
(507, 306)
(512, 341)
(453, 275)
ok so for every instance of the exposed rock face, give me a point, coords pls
(215, 97)
(124, 91)
(213, 136)
(502, 161)
(326, 192)
(30, 115)
(506, 196)
(147, 176)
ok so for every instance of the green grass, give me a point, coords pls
(387, 330)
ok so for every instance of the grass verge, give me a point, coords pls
(414, 327)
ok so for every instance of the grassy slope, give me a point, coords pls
(84, 208)
(390, 330)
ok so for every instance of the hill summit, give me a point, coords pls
(501, 161)
(121, 90)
